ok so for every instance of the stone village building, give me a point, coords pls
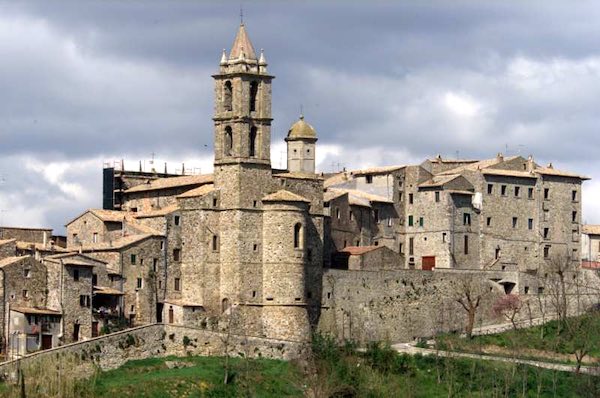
(363, 254)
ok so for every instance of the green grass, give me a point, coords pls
(550, 337)
(152, 378)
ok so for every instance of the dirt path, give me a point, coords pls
(412, 350)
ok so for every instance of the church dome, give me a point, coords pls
(301, 129)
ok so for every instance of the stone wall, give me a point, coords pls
(8, 248)
(34, 235)
(158, 340)
(406, 304)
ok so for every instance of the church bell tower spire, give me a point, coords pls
(242, 105)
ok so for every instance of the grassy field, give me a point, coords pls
(333, 371)
(548, 342)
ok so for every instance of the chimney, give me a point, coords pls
(500, 157)
(530, 164)
(45, 239)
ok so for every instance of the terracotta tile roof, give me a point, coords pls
(107, 291)
(172, 182)
(40, 247)
(359, 250)
(553, 172)
(35, 311)
(183, 303)
(73, 254)
(284, 196)
(157, 213)
(480, 165)
(438, 181)
(103, 215)
(117, 244)
(591, 229)
(509, 173)
(197, 192)
(377, 170)
(359, 198)
(12, 260)
(336, 180)
(298, 176)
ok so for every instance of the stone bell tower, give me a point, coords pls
(242, 173)
(243, 106)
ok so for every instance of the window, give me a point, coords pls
(466, 244)
(162, 245)
(214, 202)
(140, 283)
(27, 273)
(437, 196)
(490, 189)
(530, 223)
(154, 264)
(546, 251)
(369, 179)
(503, 190)
(410, 198)
(94, 280)
(467, 219)
(540, 290)
(517, 192)
(337, 213)
(546, 193)
(497, 253)
(255, 203)
(177, 283)
(255, 247)
(421, 222)
(411, 246)
(574, 195)
(25, 293)
(176, 220)
(176, 254)
(526, 290)
(95, 237)
(84, 301)
(400, 196)
(345, 244)
(488, 221)
(252, 143)
(530, 193)
(141, 261)
(227, 95)
(298, 236)
(253, 95)
(515, 222)
(228, 141)
(215, 243)
(351, 215)
(546, 233)
(443, 237)
(574, 216)
(410, 221)
(133, 258)
(400, 248)
(389, 221)
(76, 275)
(159, 284)
(376, 215)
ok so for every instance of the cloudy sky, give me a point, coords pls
(83, 83)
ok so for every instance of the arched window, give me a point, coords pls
(253, 95)
(227, 96)
(253, 141)
(298, 238)
(225, 304)
(228, 141)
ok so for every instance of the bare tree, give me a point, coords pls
(556, 269)
(469, 292)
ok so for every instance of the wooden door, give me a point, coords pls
(171, 315)
(95, 329)
(428, 263)
(46, 341)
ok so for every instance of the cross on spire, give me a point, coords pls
(241, 15)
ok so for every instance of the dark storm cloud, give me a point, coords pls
(383, 82)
